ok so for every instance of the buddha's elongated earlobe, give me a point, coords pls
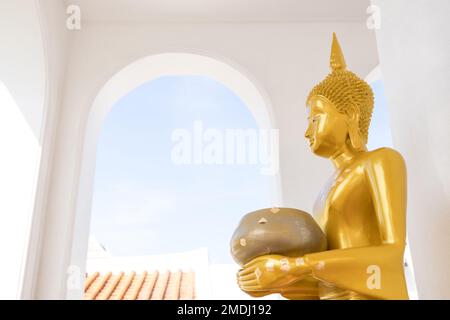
(355, 137)
(354, 133)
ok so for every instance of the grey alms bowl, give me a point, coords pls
(284, 231)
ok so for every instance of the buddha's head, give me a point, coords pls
(339, 109)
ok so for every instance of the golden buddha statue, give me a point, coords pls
(361, 209)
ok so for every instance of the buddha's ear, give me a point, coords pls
(353, 128)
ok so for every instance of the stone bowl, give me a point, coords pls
(284, 231)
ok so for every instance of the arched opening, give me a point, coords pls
(380, 129)
(128, 79)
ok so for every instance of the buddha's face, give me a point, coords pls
(327, 130)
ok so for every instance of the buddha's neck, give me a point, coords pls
(344, 156)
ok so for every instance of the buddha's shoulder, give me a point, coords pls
(383, 155)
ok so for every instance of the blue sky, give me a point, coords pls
(380, 130)
(145, 204)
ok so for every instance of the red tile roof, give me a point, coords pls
(144, 286)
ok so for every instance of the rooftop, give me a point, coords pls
(156, 285)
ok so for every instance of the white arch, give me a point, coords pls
(127, 79)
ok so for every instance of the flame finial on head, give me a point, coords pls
(337, 61)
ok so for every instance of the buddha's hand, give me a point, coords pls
(271, 273)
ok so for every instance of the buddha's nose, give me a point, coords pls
(308, 132)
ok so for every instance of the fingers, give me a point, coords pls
(247, 277)
(246, 271)
(251, 263)
(249, 283)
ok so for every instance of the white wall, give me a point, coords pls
(22, 63)
(286, 60)
(22, 96)
(55, 39)
(414, 51)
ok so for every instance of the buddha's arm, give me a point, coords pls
(376, 270)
